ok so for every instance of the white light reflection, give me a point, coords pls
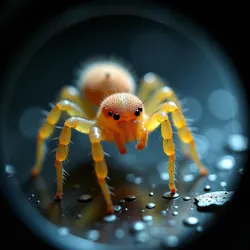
(222, 104)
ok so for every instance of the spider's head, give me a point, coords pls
(122, 108)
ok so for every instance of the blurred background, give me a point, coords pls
(147, 40)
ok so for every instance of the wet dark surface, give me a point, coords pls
(174, 219)
(161, 217)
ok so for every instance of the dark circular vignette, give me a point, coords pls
(209, 238)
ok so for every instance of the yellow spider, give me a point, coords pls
(104, 106)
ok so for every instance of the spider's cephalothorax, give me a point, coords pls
(121, 117)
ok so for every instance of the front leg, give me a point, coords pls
(168, 144)
(83, 126)
(184, 132)
(101, 168)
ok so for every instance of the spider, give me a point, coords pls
(105, 106)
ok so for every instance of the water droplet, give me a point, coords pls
(143, 210)
(188, 177)
(200, 229)
(119, 233)
(138, 226)
(172, 241)
(151, 194)
(175, 206)
(164, 176)
(147, 218)
(33, 195)
(138, 180)
(37, 202)
(163, 212)
(79, 216)
(29, 198)
(226, 162)
(117, 208)
(126, 209)
(223, 184)
(212, 177)
(130, 197)
(93, 235)
(222, 104)
(207, 188)
(63, 231)
(110, 218)
(169, 195)
(121, 202)
(175, 213)
(85, 198)
(186, 198)
(191, 221)
(237, 143)
(10, 170)
(142, 237)
(150, 205)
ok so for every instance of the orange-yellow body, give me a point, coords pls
(107, 108)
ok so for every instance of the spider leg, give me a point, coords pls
(48, 126)
(71, 93)
(81, 125)
(149, 83)
(161, 118)
(184, 133)
(159, 96)
(101, 168)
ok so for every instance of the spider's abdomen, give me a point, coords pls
(101, 79)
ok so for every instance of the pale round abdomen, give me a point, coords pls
(101, 79)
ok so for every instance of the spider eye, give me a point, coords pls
(137, 112)
(116, 116)
(110, 113)
(140, 109)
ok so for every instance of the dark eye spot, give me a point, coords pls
(140, 109)
(137, 113)
(110, 113)
(116, 116)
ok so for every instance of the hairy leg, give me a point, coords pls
(149, 83)
(184, 131)
(71, 93)
(161, 118)
(48, 126)
(83, 126)
(101, 168)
